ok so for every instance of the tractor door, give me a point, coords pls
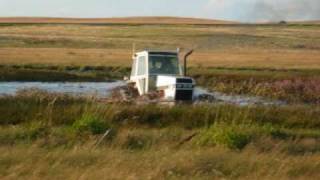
(142, 76)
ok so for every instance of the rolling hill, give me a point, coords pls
(124, 20)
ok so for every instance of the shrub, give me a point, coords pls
(90, 123)
(274, 132)
(231, 136)
(237, 136)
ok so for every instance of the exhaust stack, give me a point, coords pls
(185, 61)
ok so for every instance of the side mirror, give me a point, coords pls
(126, 78)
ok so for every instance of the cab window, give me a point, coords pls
(163, 65)
(141, 65)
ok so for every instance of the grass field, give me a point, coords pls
(54, 136)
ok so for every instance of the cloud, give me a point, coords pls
(263, 10)
(285, 10)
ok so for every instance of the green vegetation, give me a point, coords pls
(198, 141)
(90, 123)
(232, 137)
(237, 136)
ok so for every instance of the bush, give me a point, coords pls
(237, 136)
(231, 136)
(274, 132)
(90, 123)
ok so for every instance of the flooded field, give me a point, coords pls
(103, 89)
(100, 89)
(241, 100)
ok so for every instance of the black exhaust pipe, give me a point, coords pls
(185, 61)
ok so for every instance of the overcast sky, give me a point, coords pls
(240, 10)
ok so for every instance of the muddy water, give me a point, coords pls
(103, 89)
(100, 89)
(218, 97)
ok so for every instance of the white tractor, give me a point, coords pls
(160, 72)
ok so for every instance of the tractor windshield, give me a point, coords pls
(166, 65)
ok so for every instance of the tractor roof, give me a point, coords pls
(162, 53)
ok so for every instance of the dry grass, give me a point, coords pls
(256, 58)
(295, 46)
(111, 163)
(57, 56)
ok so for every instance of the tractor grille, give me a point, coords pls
(184, 80)
(184, 95)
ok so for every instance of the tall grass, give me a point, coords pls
(62, 110)
(66, 109)
(64, 137)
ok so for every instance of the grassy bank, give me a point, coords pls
(49, 73)
(34, 104)
(62, 137)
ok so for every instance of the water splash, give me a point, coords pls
(202, 95)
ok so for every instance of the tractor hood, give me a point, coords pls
(176, 87)
(165, 81)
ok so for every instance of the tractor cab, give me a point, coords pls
(158, 71)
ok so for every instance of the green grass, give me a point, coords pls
(59, 134)
(65, 110)
(90, 123)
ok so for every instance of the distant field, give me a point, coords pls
(261, 46)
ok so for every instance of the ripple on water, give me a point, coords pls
(103, 89)
(78, 88)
